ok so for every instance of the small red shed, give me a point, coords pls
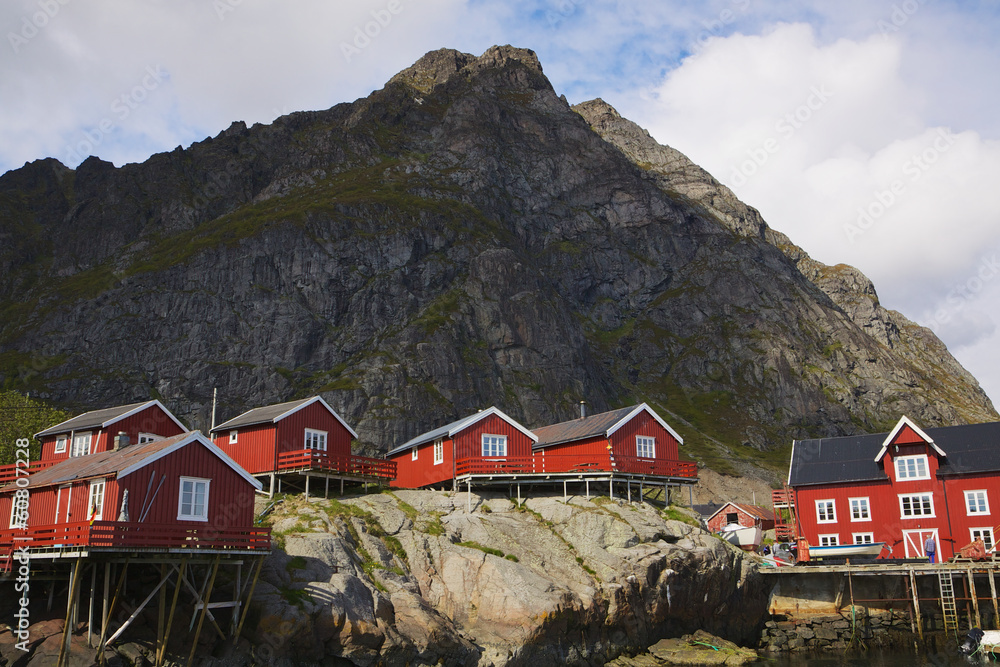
(631, 440)
(740, 514)
(95, 431)
(487, 442)
(171, 491)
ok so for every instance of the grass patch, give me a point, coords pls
(296, 596)
(489, 550)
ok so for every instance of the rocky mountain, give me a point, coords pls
(458, 239)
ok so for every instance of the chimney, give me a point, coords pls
(121, 441)
(583, 409)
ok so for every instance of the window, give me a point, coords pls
(315, 439)
(975, 503)
(438, 451)
(95, 505)
(859, 509)
(494, 445)
(732, 517)
(864, 538)
(921, 504)
(193, 504)
(825, 512)
(148, 437)
(413, 454)
(233, 436)
(828, 541)
(81, 445)
(61, 443)
(645, 447)
(984, 534)
(912, 467)
(19, 510)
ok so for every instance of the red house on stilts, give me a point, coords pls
(298, 441)
(901, 488)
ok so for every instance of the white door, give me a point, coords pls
(914, 541)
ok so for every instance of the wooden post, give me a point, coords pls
(307, 486)
(975, 598)
(586, 484)
(468, 497)
(270, 488)
(565, 497)
(916, 605)
(162, 652)
(111, 610)
(74, 590)
(204, 610)
(161, 612)
(90, 607)
(104, 605)
(326, 490)
(246, 607)
(993, 594)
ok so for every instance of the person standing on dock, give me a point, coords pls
(930, 548)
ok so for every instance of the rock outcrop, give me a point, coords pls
(458, 239)
(413, 577)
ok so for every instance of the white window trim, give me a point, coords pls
(90, 499)
(439, 451)
(916, 495)
(73, 452)
(502, 445)
(833, 511)
(413, 453)
(14, 525)
(322, 435)
(984, 529)
(900, 459)
(234, 436)
(986, 500)
(828, 537)
(652, 446)
(61, 440)
(870, 538)
(148, 437)
(867, 507)
(180, 499)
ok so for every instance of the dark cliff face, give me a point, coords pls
(459, 239)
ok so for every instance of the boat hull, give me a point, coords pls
(846, 550)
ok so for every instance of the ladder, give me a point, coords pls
(948, 609)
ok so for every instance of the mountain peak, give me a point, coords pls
(436, 67)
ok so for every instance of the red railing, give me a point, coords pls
(9, 473)
(557, 463)
(132, 535)
(362, 466)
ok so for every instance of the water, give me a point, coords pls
(873, 658)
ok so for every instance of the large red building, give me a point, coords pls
(304, 438)
(900, 488)
(633, 440)
(486, 442)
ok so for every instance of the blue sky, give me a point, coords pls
(865, 130)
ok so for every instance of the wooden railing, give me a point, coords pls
(133, 535)
(362, 466)
(556, 463)
(9, 473)
(783, 505)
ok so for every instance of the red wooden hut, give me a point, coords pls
(303, 438)
(901, 488)
(632, 440)
(179, 492)
(740, 514)
(487, 442)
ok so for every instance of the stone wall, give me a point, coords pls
(855, 628)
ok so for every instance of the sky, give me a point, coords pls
(865, 130)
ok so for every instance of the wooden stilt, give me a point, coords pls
(111, 610)
(270, 488)
(90, 607)
(326, 491)
(161, 654)
(74, 590)
(307, 487)
(135, 613)
(341, 486)
(916, 605)
(628, 489)
(519, 494)
(204, 610)
(199, 600)
(586, 484)
(975, 598)
(161, 612)
(246, 607)
(993, 595)
(611, 488)
(468, 497)
(565, 495)
(52, 595)
(104, 599)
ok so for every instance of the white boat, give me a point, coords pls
(846, 550)
(747, 538)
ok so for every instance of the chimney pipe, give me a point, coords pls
(583, 409)
(121, 440)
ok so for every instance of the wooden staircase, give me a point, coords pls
(783, 504)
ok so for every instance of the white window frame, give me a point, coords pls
(902, 474)
(827, 502)
(76, 447)
(439, 451)
(829, 540)
(61, 441)
(96, 489)
(985, 502)
(860, 504)
(645, 443)
(984, 532)
(493, 442)
(912, 514)
(317, 439)
(181, 516)
(234, 436)
(413, 453)
(863, 538)
(14, 514)
(148, 437)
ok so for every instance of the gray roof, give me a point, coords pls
(458, 425)
(272, 413)
(972, 448)
(578, 429)
(101, 418)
